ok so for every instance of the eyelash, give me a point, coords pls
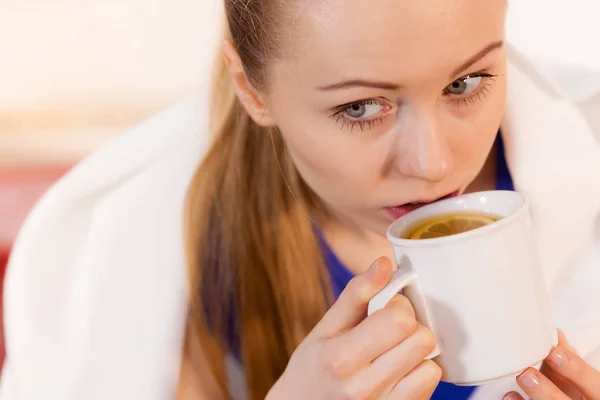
(479, 93)
(339, 115)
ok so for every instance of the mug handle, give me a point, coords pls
(406, 278)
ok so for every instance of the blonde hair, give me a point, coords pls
(256, 273)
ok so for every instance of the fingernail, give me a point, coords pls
(559, 357)
(512, 396)
(372, 271)
(529, 379)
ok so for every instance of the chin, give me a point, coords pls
(378, 227)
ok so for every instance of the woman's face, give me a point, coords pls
(390, 102)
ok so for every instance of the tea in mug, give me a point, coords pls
(448, 224)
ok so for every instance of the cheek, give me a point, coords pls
(471, 150)
(472, 143)
(332, 162)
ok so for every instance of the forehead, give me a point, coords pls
(397, 38)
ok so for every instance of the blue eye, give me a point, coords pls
(362, 114)
(363, 110)
(464, 86)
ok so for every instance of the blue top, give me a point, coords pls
(340, 275)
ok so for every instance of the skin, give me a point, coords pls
(564, 375)
(361, 148)
(417, 141)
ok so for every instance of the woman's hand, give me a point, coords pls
(563, 376)
(348, 356)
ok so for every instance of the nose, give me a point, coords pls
(423, 151)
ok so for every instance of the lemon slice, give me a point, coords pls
(451, 225)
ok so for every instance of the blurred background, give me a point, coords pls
(75, 73)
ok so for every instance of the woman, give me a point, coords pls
(329, 119)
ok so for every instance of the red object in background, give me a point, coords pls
(20, 189)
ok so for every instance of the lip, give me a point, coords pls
(401, 210)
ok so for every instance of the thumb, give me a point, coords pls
(351, 307)
(562, 341)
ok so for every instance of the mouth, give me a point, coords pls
(399, 211)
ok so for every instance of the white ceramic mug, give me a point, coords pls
(481, 292)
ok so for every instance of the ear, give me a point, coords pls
(252, 100)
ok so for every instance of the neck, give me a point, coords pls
(355, 247)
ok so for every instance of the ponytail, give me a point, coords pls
(256, 274)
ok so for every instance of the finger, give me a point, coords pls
(394, 365)
(582, 375)
(512, 396)
(376, 334)
(352, 305)
(538, 387)
(563, 342)
(560, 381)
(419, 384)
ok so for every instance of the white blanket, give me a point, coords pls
(95, 290)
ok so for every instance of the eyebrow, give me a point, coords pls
(361, 83)
(354, 83)
(482, 53)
